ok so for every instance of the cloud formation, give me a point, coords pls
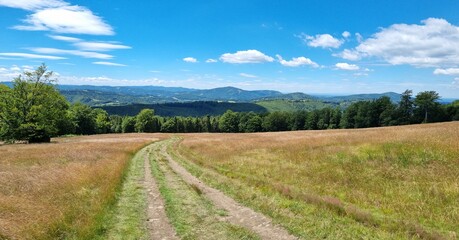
(434, 43)
(32, 5)
(84, 54)
(297, 62)
(322, 40)
(347, 66)
(100, 46)
(64, 38)
(247, 75)
(33, 56)
(211, 60)
(110, 64)
(60, 17)
(248, 56)
(190, 60)
(347, 54)
(448, 71)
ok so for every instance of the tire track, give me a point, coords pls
(237, 214)
(158, 223)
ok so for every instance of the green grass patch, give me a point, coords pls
(190, 212)
(307, 216)
(128, 219)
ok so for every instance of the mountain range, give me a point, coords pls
(110, 95)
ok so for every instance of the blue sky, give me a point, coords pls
(327, 47)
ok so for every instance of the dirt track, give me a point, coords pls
(158, 224)
(237, 214)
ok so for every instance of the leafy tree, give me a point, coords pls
(348, 117)
(335, 118)
(312, 120)
(426, 102)
(128, 124)
(116, 124)
(229, 122)
(83, 118)
(405, 108)
(145, 121)
(384, 111)
(452, 110)
(170, 126)
(276, 121)
(299, 120)
(254, 124)
(102, 121)
(32, 109)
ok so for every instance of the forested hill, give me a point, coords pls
(125, 95)
(93, 95)
(194, 109)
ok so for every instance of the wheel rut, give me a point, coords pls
(158, 223)
(237, 214)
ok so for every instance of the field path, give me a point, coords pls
(158, 224)
(237, 214)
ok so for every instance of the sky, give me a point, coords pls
(311, 46)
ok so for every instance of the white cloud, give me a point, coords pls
(359, 37)
(27, 68)
(211, 60)
(29, 55)
(100, 46)
(346, 34)
(347, 66)
(9, 73)
(110, 64)
(322, 40)
(32, 4)
(296, 62)
(348, 55)
(248, 56)
(66, 19)
(434, 43)
(84, 54)
(15, 68)
(448, 71)
(361, 74)
(247, 75)
(190, 60)
(64, 38)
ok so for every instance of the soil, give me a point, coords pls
(157, 223)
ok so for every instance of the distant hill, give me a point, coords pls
(192, 109)
(286, 105)
(98, 96)
(395, 97)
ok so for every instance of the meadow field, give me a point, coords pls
(381, 183)
(377, 183)
(64, 189)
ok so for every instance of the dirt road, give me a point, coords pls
(237, 214)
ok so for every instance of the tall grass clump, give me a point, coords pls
(401, 180)
(63, 190)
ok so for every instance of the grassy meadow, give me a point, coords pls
(64, 189)
(382, 183)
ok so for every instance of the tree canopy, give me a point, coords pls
(32, 109)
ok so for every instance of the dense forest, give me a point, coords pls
(33, 110)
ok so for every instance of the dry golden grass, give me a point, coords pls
(62, 189)
(403, 179)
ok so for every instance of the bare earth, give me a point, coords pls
(237, 214)
(158, 225)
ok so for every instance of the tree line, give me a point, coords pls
(33, 110)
